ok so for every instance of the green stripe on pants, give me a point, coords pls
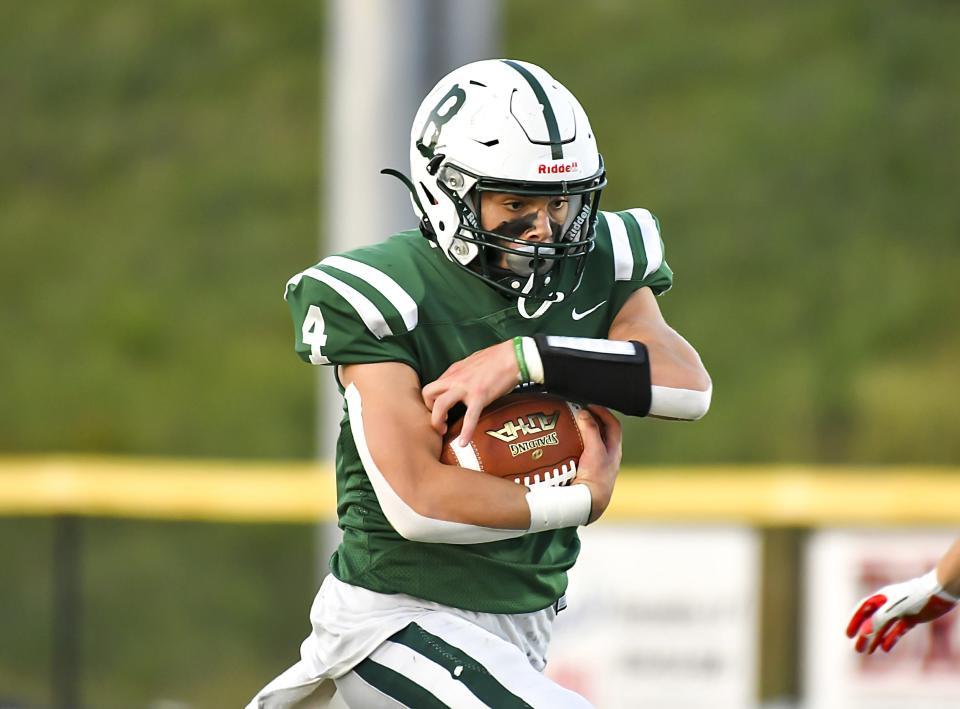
(472, 674)
(397, 686)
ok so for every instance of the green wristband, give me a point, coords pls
(521, 362)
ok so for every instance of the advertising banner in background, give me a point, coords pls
(661, 617)
(922, 671)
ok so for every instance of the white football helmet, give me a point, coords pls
(501, 125)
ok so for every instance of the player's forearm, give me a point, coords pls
(460, 506)
(422, 510)
(457, 494)
(674, 362)
(948, 570)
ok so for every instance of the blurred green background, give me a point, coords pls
(159, 182)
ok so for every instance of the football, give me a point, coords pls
(530, 438)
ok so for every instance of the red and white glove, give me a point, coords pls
(882, 619)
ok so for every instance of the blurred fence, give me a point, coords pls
(243, 491)
(721, 570)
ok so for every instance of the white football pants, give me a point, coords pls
(442, 660)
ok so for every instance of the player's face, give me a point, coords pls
(535, 219)
(522, 216)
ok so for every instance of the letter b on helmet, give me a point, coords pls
(446, 109)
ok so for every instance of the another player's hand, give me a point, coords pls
(882, 618)
(600, 461)
(476, 381)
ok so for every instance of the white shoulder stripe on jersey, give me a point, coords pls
(409, 523)
(651, 239)
(295, 281)
(367, 311)
(388, 287)
(622, 253)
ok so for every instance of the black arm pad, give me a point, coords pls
(598, 373)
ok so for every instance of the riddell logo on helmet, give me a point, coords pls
(557, 168)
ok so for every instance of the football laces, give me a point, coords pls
(555, 477)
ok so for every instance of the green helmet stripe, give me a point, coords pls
(553, 128)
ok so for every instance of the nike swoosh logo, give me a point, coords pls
(577, 316)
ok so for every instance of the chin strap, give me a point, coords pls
(506, 278)
(427, 231)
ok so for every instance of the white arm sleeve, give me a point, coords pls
(409, 523)
(685, 404)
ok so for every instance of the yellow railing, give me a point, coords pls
(243, 491)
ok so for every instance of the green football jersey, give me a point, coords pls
(402, 300)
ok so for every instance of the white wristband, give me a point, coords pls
(558, 507)
(531, 355)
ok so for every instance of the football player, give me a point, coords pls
(447, 581)
(883, 617)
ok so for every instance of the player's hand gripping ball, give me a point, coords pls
(530, 438)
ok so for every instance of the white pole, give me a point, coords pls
(382, 56)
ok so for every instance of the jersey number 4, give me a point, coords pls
(313, 335)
